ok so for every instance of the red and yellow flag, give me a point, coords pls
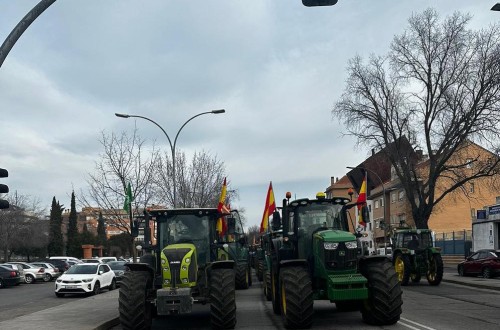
(269, 208)
(362, 199)
(221, 222)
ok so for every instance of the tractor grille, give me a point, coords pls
(175, 257)
(341, 258)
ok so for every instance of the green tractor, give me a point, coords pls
(266, 241)
(237, 250)
(317, 258)
(183, 268)
(414, 256)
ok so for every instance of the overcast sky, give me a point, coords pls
(276, 66)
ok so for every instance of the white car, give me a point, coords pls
(86, 279)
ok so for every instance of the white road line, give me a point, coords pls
(418, 324)
(407, 325)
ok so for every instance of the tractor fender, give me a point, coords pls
(225, 264)
(293, 262)
(140, 267)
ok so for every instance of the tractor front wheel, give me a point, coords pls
(383, 306)
(267, 286)
(242, 274)
(260, 270)
(296, 298)
(275, 295)
(435, 271)
(402, 266)
(222, 299)
(135, 310)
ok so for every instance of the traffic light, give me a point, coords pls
(314, 3)
(4, 189)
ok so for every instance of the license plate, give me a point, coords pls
(70, 287)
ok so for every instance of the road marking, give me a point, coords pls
(415, 323)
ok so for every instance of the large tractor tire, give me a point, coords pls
(222, 299)
(267, 286)
(435, 271)
(135, 310)
(242, 276)
(402, 266)
(275, 294)
(260, 270)
(296, 298)
(383, 306)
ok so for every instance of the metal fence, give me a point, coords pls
(455, 242)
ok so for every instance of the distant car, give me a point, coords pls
(31, 273)
(107, 259)
(18, 268)
(51, 271)
(85, 279)
(483, 262)
(91, 261)
(9, 277)
(119, 268)
(70, 260)
(62, 265)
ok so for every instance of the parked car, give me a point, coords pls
(31, 273)
(62, 265)
(18, 268)
(51, 271)
(67, 259)
(119, 268)
(483, 262)
(91, 261)
(85, 279)
(9, 277)
(107, 259)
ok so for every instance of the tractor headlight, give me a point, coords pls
(163, 261)
(330, 245)
(188, 260)
(351, 245)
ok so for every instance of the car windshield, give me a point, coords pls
(82, 269)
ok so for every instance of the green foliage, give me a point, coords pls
(123, 242)
(101, 231)
(56, 243)
(73, 246)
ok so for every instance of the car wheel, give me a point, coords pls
(47, 278)
(97, 288)
(112, 286)
(59, 295)
(29, 279)
(1, 284)
(486, 272)
(461, 271)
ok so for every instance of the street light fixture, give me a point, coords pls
(172, 146)
(383, 197)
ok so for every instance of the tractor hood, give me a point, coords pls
(334, 236)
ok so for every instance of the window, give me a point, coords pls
(382, 202)
(393, 197)
(377, 204)
(377, 224)
(468, 162)
(471, 187)
(472, 213)
(401, 194)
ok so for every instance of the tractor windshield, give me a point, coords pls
(311, 217)
(185, 228)
(413, 240)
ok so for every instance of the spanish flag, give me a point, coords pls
(362, 199)
(221, 222)
(269, 208)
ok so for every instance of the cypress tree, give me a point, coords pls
(73, 246)
(56, 244)
(101, 230)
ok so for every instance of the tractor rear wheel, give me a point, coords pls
(383, 306)
(435, 271)
(135, 310)
(296, 298)
(267, 286)
(415, 277)
(222, 299)
(402, 267)
(275, 294)
(260, 270)
(242, 275)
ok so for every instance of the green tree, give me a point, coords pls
(101, 230)
(73, 246)
(56, 244)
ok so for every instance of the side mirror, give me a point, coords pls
(101, 272)
(231, 225)
(276, 221)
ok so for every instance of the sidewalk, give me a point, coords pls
(101, 312)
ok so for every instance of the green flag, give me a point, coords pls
(128, 199)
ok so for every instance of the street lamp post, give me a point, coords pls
(385, 205)
(172, 146)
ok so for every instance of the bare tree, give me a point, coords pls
(24, 214)
(199, 183)
(253, 234)
(436, 90)
(125, 160)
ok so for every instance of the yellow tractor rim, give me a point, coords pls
(283, 298)
(399, 266)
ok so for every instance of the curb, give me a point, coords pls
(108, 324)
(475, 285)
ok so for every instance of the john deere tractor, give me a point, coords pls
(414, 256)
(237, 250)
(181, 269)
(317, 258)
